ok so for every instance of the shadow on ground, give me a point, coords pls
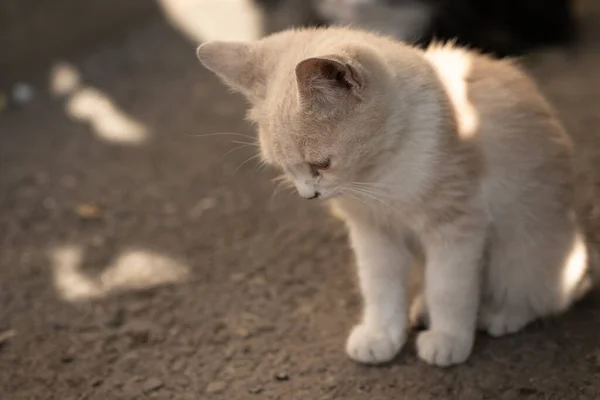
(162, 267)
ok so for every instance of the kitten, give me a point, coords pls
(442, 153)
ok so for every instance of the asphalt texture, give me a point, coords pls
(168, 269)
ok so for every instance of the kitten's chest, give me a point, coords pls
(395, 215)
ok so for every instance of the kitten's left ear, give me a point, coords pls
(329, 81)
(238, 64)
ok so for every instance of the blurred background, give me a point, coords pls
(144, 253)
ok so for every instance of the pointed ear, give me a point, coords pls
(329, 81)
(237, 64)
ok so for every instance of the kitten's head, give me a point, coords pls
(322, 111)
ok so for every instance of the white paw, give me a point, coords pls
(372, 346)
(503, 323)
(441, 349)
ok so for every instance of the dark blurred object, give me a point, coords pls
(504, 27)
(283, 14)
(500, 27)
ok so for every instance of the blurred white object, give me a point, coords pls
(203, 20)
(22, 93)
(64, 79)
(132, 270)
(403, 19)
(342, 11)
(107, 120)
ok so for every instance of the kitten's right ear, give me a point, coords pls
(328, 82)
(237, 64)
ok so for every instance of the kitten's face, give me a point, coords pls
(323, 158)
(315, 162)
(319, 120)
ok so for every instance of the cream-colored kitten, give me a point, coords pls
(444, 154)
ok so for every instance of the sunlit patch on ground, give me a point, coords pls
(132, 270)
(92, 106)
(64, 79)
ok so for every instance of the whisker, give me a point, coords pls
(376, 184)
(378, 192)
(232, 150)
(373, 193)
(280, 178)
(222, 134)
(278, 186)
(371, 196)
(363, 192)
(245, 162)
(262, 166)
(248, 143)
(277, 189)
(354, 197)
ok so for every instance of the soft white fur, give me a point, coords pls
(443, 156)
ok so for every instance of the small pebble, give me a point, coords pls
(139, 337)
(152, 385)
(256, 390)
(97, 382)
(88, 211)
(526, 391)
(282, 377)
(66, 359)
(7, 335)
(139, 333)
(243, 332)
(178, 365)
(203, 205)
(216, 387)
(365, 387)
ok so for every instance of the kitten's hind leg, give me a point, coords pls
(534, 278)
(505, 321)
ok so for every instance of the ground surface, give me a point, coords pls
(163, 270)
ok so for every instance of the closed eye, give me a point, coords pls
(320, 165)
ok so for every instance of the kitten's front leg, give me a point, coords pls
(382, 265)
(452, 284)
